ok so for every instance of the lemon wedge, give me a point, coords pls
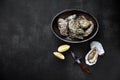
(63, 48)
(59, 55)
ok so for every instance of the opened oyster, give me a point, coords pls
(92, 55)
(75, 27)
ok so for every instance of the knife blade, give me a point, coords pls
(77, 60)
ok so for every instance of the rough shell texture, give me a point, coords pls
(89, 30)
(84, 23)
(62, 25)
(71, 17)
(75, 27)
(99, 47)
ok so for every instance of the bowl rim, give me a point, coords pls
(66, 10)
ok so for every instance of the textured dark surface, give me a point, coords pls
(27, 43)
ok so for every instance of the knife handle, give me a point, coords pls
(84, 68)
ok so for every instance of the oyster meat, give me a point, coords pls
(91, 57)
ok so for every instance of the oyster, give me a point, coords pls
(71, 17)
(62, 25)
(84, 23)
(72, 27)
(96, 49)
(91, 57)
(73, 35)
(89, 30)
(75, 27)
(99, 47)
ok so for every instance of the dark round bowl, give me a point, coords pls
(66, 13)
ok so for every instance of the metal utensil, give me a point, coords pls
(77, 60)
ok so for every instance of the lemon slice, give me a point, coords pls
(59, 55)
(63, 48)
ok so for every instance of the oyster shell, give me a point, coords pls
(72, 27)
(89, 30)
(99, 47)
(91, 57)
(71, 17)
(84, 23)
(62, 25)
(72, 35)
(75, 27)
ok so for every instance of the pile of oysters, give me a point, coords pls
(75, 27)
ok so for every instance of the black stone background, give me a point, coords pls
(27, 43)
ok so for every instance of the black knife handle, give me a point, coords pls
(84, 68)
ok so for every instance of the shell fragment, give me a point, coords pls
(99, 47)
